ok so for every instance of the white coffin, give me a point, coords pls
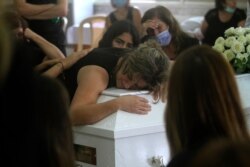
(130, 140)
(124, 139)
(243, 82)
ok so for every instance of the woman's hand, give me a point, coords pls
(29, 34)
(134, 104)
(150, 24)
(153, 27)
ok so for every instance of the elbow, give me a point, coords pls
(59, 55)
(82, 122)
(77, 120)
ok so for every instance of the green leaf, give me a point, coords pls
(239, 66)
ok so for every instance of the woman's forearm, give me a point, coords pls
(42, 11)
(51, 51)
(54, 71)
(92, 113)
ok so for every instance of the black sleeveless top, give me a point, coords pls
(214, 23)
(129, 15)
(50, 29)
(106, 58)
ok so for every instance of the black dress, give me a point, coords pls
(106, 58)
(216, 28)
(129, 15)
(50, 29)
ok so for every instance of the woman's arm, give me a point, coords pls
(107, 23)
(204, 26)
(46, 64)
(58, 66)
(92, 80)
(137, 20)
(242, 23)
(84, 109)
(41, 11)
(51, 51)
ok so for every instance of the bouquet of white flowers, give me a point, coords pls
(235, 46)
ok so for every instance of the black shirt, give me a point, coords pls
(106, 58)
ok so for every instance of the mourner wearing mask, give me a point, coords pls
(123, 11)
(217, 20)
(160, 24)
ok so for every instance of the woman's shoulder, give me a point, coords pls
(135, 10)
(212, 13)
(106, 51)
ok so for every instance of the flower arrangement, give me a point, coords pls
(235, 47)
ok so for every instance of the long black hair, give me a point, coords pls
(116, 29)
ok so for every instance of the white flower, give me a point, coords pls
(243, 57)
(229, 54)
(242, 39)
(247, 30)
(248, 38)
(239, 31)
(220, 41)
(248, 49)
(229, 41)
(229, 32)
(237, 47)
(219, 47)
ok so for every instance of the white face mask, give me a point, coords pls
(120, 3)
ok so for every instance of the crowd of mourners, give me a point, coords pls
(44, 92)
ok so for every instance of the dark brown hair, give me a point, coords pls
(165, 15)
(219, 4)
(203, 100)
(223, 152)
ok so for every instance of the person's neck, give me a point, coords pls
(225, 16)
(121, 13)
(122, 9)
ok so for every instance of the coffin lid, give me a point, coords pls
(123, 124)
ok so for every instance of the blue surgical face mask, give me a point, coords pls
(164, 38)
(229, 9)
(120, 3)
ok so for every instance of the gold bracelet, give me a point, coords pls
(63, 76)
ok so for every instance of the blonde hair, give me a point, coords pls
(151, 63)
